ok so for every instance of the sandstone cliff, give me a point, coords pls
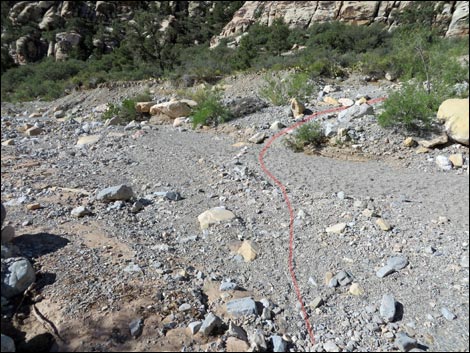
(451, 16)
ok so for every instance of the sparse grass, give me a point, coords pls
(309, 134)
(278, 91)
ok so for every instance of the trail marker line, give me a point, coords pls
(289, 206)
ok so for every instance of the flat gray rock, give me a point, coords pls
(397, 262)
(115, 193)
(385, 271)
(387, 308)
(241, 307)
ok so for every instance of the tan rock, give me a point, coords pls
(422, 149)
(214, 215)
(178, 122)
(456, 159)
(35, 115)
(33, 206)
(356, 289)
(328, 277)
(441, 140)
(173, 109)
(455, 114)
(88, 140)
(368, 213)
(9, 142)
(383, 224)
(337, 228)
(330, 100)
(159, 119)
(409, 142)
(189, 102)
(144, 107)
(33, 131)
(297, 108)
(248, 251)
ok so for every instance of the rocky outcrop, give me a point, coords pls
(451, 16)
(459, 23)
(35, 18)
(65, 43)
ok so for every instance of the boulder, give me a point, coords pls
(455, 115)
(297, 108)
(17, 276)
(173, 109)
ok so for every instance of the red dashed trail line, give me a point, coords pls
(289, 206)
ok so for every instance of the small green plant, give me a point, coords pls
(209, 109)
(309, 134)
(279, 91)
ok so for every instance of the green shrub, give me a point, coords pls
(278, 91)
(411, 108)
(209, 109)
(309, 134)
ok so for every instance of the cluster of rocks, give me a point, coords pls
(17, 275)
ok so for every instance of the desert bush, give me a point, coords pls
(411, 108)
(309, 134)
(278, 91)
(126, 110)
(209, 110)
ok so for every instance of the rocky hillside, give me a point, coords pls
(450, 16)
(32, 30)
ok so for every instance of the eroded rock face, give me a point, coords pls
(303, 14)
